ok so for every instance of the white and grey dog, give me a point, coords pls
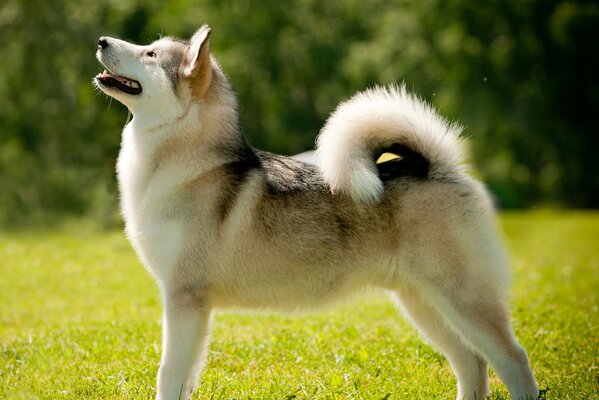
(221, 224)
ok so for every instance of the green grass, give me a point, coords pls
(80, 319)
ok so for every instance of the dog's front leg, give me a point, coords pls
(186, 327)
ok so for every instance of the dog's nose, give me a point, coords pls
(102, 43)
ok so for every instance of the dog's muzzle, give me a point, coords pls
(111, 80)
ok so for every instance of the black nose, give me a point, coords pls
(102, 43)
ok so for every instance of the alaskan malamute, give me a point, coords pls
(221, 224)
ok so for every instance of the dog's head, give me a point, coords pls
(160, 78)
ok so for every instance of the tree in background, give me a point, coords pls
(520, 75)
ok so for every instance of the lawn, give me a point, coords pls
(80, 319)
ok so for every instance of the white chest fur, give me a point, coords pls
(147, 194)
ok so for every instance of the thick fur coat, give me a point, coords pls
(221, 224)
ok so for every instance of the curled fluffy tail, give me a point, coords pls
(377, 121)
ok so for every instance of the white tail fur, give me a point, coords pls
(382, 117)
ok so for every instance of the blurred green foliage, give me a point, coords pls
(520, 75)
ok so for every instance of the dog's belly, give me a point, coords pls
(291, 278)
(284, 293)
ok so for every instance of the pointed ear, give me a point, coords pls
(197, 54)
(197, 66)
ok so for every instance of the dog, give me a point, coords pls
(220, 224)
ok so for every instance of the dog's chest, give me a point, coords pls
(147, 202)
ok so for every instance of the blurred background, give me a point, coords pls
(520, 75)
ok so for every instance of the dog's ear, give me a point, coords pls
(197, 65)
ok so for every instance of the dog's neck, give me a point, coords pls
(202, 120)
(206, 135)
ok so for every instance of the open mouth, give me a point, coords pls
(119, 82)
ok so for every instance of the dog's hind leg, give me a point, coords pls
(459, 266)
(186, 327)
(469, 367)
(483, 322)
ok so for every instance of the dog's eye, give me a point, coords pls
(151, 54)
